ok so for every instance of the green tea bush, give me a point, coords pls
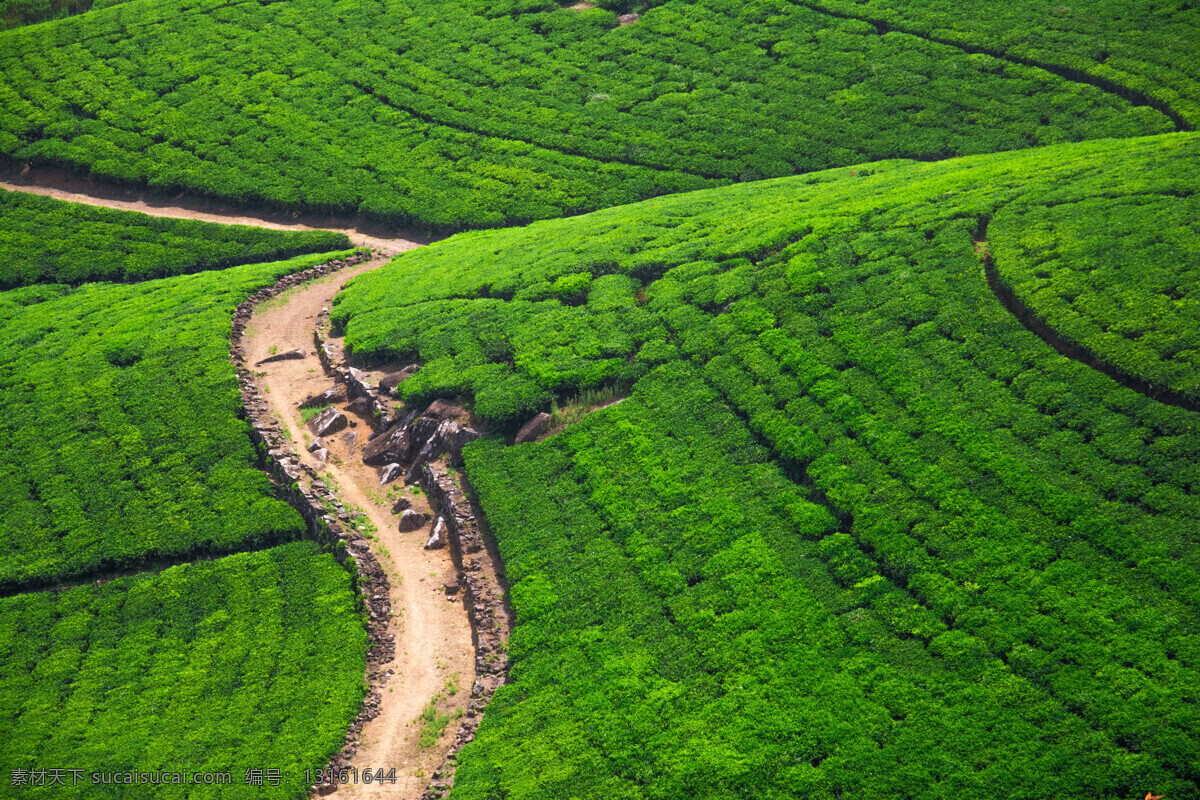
(857, 531)
(249, 662)
(460, 113)
(49, 241)
(122, 430)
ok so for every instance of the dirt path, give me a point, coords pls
(434, 650)
(80, 191)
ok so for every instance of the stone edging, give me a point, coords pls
(314, 501)
(479, 581)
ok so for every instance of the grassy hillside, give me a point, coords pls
(253, 661)
(49, 241)
(857, 532)
(459, 113)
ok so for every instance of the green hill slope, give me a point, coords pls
(857, 532)
(459, 113)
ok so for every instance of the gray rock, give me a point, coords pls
(351, 440)
(288, 356)
(628, 19)
(391, 445)
(356, 381)
(328, 421)
(402, 504)
(334, 394)
(437, 539)
(452, 586)
(532, 429)
(412, 520)
(389, 473)
(321, 454)
(315, 446)
(361, 406)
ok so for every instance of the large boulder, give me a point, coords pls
(334, 394)
(328, 421)
(351, 440)
(356, 380)
(390, 446)
(403, 504)
(448, 437)
(411, 520)
(362, 406)
(532, 429)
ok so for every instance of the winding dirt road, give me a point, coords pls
(435, 656)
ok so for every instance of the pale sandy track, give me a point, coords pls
(138, 202)
(433, 636)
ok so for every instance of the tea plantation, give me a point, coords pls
(125, 451)
(857, 532)
(249, 662)
(461, 113)
(49, 241)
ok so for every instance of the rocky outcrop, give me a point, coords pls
(533, 429)
(390, 446)
(437, 539)
(389, 472)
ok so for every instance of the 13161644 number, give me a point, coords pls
(353, 775)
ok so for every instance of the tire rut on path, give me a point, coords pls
(433, 643)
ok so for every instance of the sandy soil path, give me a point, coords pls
(434, 651)
(79, 191)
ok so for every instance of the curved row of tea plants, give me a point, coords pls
(121, 426)
(459, 113)
(1116, 276)
(250, 662)
(15, 13)
(857, 531)
(48, 241)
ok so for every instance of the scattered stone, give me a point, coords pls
(334, 394)
(351, 440)
(288, 356)
(412, 520)
(442, 409)
(391, 445)
(389, 473)
(328, 421)
(628, 19)
(316, 445)
(452, 586)
(401, 505)
(437, 539)
(356, 380)
(532, 429)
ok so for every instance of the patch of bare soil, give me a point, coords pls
(435, 657)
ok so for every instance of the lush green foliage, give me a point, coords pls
(1118, 277)
(120, 423)
(1147, 47)
(14, 13)
(49, 241)
(252, 661)
(857, 532)
(469, 113)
